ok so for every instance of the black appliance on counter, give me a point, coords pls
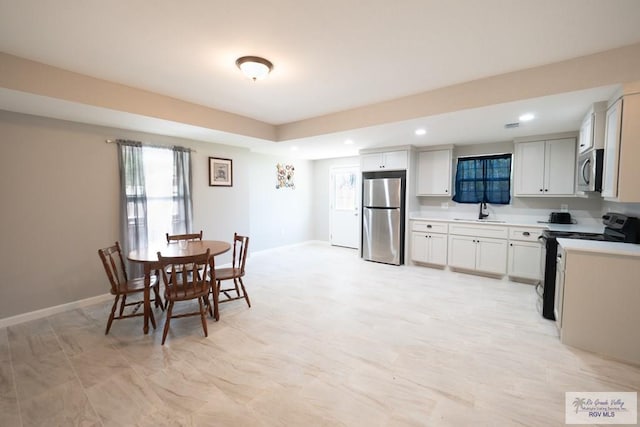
(560, 218)
(618, 228)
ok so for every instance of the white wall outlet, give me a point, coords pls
(444, 205)
(564, 208)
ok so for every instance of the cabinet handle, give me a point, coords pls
(446, 190)
(541, 189)
(428, 225)
(510, 244)
(546, 189)
(526, 233)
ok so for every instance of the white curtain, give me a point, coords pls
(133, 200)
(182, 203)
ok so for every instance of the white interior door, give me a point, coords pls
(344, 220)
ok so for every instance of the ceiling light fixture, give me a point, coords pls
(348, 142)
(254, 67)
(421, 131)
(526, 117)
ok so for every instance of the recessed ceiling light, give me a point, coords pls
(526, 117)
(421, 131)
(348, 141)
(294, 148)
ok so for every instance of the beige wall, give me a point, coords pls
(60, 201)
(33, 77)
(614, 66)
(602, 69)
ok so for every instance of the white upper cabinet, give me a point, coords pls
(621, 173)
(611, 150)
(434, 173)
(391, 160)
(592, 128)
(585, 142)
(545, 168)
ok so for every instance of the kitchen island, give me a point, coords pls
(599, 297)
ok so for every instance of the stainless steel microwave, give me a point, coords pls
(589, 171)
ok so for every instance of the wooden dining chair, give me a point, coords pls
(187, 236)
(186, 278)
(182, 237)
(122, 286)
(235, 273)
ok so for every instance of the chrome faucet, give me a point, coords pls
(482, 215)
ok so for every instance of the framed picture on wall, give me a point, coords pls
(220, 172)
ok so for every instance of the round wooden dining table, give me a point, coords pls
(148, 257)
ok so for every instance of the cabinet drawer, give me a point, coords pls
(525, 234)
(431, 227)
(496, 232)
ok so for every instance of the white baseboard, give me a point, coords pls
(39, 314)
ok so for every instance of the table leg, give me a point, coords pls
(147, 296)
(212, 274)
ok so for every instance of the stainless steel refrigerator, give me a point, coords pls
(383, 217)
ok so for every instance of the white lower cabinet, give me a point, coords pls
(525, 260)
(429, 248)
(482, 254)
(429, 242)
(525, 253)
(515, 251)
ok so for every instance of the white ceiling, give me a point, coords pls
(329, 56)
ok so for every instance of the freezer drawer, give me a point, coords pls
(381, 235)
(382, 192)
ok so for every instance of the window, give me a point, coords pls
(155, 193)
(344, 190)
(162, 213)
(484, 179)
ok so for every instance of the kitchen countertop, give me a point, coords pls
(511, 221)
(612, 248)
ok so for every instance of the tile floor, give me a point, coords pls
(331, 340)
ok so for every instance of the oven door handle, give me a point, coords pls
(540, 289)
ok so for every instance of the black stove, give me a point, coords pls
(618, 228)
(574, 235)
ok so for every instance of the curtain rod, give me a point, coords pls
(483, 155)
(115, 141)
